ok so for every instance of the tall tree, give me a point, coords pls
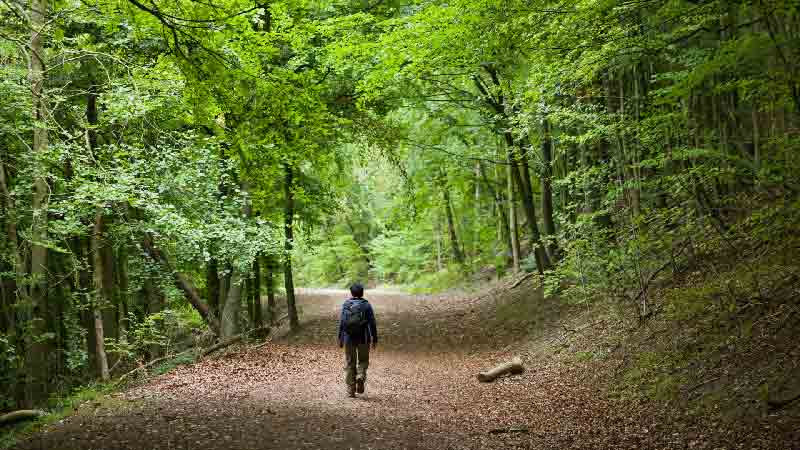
(288, 229)
(37, 348)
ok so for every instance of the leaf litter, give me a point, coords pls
(421, 394)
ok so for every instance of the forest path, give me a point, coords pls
(421, 392)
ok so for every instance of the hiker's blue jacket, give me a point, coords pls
(371, 333)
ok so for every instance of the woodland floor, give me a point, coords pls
(421, 392)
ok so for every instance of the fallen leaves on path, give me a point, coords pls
(421, 394)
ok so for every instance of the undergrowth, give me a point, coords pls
(718, 336)
(59, 408)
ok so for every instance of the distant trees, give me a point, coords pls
(624, 129)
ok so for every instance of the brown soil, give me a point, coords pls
(422, 392)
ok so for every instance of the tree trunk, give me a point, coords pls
(37, 347)
(294, 323)
(100, 300)
(438, 237)
(224, 287)
(182, 283)
(547, 191)
(513, 232)
(542, 262)
(233, 302)
(517, 162)
(269, 280)
(251, 300)
(233, 305)
(11, 231)
(213, 286)
(258, 319)
(15, 289)
(451, 228)
(83, 246)
(476, 226)
(124, 296)
(110, 308)
(154, 304)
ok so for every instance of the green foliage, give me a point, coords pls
(431, 283)
(9, 360)
(656, 375)
(400, 256)
(338, 262)
(657, 131)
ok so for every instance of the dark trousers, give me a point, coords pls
(356, 362)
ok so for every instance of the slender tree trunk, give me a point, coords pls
(294, 323)
(213, 286)
(38, 347)
(259, 308)
(269, 280)
(224, 287)
(154, 304)
(636, 175)
(110, 308)
(19, 288)
(102, 274)
(59, 311)
(7, 299)
(124, 296)
(249, 296)
(438, 237)
(547, 191)
(542, 261)
(756, 144)
(517, 162)
(476, 226)
(84, 260)
(513, 232)
(251, 299)
(100, 300)
(451, 229)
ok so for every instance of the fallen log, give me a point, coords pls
(203, 353)
(513, 367)
(232, 340)
(221, 345)
(22, 414)
(520, 429)
(521, 280)
(145, 366)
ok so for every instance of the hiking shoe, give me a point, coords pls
(360, 386)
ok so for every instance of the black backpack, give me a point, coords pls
(355, 320)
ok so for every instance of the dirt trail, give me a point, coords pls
(421, 392)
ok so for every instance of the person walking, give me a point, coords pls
(357, 330)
